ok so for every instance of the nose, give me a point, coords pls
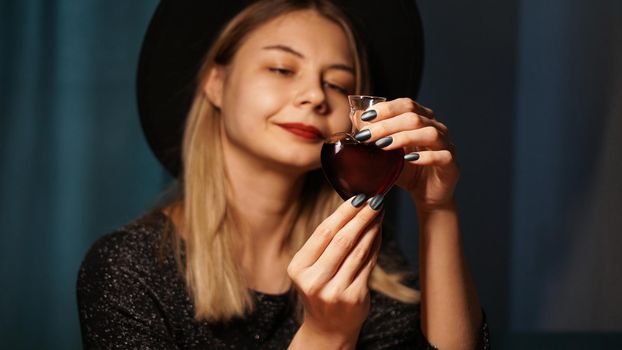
(312, 95)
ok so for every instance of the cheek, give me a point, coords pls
(248, 105)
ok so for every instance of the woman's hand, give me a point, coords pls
(430, 172)
(331, 271)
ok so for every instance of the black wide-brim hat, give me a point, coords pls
(181, 32)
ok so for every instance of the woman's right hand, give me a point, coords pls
(332, 269)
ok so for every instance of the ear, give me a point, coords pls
(213, 86)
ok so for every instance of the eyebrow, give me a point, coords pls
(289, 50)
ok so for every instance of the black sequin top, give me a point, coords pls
(131, 298)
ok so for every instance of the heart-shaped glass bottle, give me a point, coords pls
(354, 167)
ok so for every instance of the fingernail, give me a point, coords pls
(359, 200)
(376, 202)
(369, 115)
(384, 142)
(411, 156)
(363, 135)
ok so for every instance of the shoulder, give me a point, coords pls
(132, 240)
(128, 292)
(129, 267)
(133, 247)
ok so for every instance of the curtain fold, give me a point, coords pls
(74, 163)
(567, 198)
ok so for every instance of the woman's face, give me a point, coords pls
(290, 77)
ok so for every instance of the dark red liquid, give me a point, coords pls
(353, 167)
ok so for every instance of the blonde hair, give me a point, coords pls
(205, 243)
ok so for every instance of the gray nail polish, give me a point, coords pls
(369, 115)
(384, 142)
(411, 156)
(363, 135)
(359, 200)
(376, 202)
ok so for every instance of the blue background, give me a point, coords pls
(531, 91)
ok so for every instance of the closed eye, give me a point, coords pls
(281, 71)
(337, 88)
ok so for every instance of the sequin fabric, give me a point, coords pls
(131, 296)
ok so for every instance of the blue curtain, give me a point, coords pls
(567, 195)
(531, 91)
(74, 163)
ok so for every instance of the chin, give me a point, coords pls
(294, 153)
(299, 162)
(303, 165)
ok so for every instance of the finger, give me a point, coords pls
(358, 257)
(361, 280)
(429, 137)
(324, 233)
(388, 109)
(342, 243)
(425, 111)
(403, 122)
(437, 158)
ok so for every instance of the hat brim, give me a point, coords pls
(181, 32)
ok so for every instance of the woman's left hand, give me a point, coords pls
(403, 123)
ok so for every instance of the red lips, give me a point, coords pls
(306, 131)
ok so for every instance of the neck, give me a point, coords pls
(264, 197)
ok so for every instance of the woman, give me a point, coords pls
(256, 250)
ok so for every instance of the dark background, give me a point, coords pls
(531, 91)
